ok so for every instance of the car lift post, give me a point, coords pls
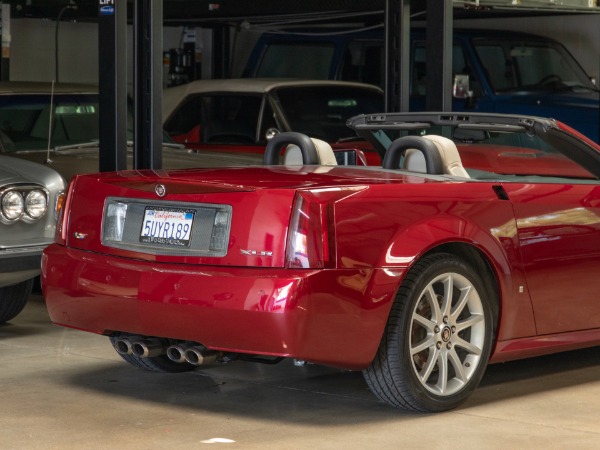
(147, 84)
(112, 38)
(439, 55)
(397, 55)
(112, 77)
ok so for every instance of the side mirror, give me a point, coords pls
(271, 133)
(460, 87)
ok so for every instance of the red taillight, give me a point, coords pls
(310, 236)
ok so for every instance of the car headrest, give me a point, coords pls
(293, 156)
(449, 154)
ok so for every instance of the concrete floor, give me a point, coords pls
(65, 389)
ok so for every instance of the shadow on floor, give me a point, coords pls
(288, 393)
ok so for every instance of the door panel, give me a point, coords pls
(559, 234)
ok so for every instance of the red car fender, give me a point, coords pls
(515, 310)
(491, 231)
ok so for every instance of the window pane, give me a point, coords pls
(297, 60)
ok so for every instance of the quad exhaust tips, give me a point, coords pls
(183, 352)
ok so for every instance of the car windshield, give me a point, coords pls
(220, 118)
(322, 111)
(518, 65)
(25, 120)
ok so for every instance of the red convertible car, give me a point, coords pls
(477, 241)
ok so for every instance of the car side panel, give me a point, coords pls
(381, 228)
(559, 231)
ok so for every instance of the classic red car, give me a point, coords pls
(419, 272)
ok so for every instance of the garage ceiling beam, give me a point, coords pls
(214, 12)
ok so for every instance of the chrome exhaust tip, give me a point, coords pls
(199, 355)
(176, 353)
(123, 346)
(148, 348)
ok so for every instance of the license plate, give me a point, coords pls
(169, 226)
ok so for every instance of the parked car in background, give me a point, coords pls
(58, 125)
(494, 71)
(477, 241)
(28, 197)
(238, 115)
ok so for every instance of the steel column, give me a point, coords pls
(397, 55)
(221, 53)
(112, 55)
(439, 55)
(148, 133)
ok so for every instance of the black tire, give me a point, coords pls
(160, 363)
(13, 299)
(432, 357)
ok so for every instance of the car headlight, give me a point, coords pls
(13, 205)
(36, 204)
(23, 202)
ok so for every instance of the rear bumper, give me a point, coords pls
(333, 316)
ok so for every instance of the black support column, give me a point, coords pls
(439, 55)
(112, 55)
(397, 55)
(221, 55)
(148, 84)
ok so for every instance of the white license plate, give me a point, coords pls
(170, 226)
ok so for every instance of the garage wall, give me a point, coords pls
(32, 50)
(32, 46)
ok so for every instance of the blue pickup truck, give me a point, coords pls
(494, 71)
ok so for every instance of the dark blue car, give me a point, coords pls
(494, 71)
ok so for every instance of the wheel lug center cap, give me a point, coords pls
(446, 334)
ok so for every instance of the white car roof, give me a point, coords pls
(173, 96)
